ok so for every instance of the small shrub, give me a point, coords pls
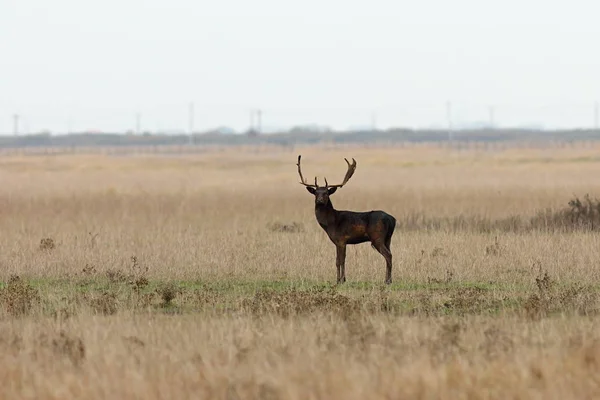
(89, 270)
(116, 276)
(71, 347)
(105, 304)
(136, 268)
(168, 292)
(494, 249)
(544, 284)
(144, 300)
(496, 343)
(438, 252)
(551, 298)
(136, 278)
(47, 244)
(65, 345)
(293, 227)
(18, 297)
(139, 283)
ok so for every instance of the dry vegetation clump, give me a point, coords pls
(494, 249)
(168, 292)
(18, 298)
(89, 270)
(136, 277)
(47, 244)
(552, 299)
(65, 345)
(293, 227)
(207, 299)
(292, 302)
(104, 303)
(136, 272)
(577, 215)
(50, 345)
(117, 276)
(469, 300)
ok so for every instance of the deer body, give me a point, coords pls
(351, 227)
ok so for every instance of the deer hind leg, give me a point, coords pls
(383, 248)
(341, 263)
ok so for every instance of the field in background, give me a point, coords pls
(207, 276)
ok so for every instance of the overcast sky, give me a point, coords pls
(93, 65)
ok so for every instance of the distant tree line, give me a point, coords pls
(299, 136)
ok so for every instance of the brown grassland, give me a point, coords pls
(207, 276)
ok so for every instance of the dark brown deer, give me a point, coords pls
(350, 227)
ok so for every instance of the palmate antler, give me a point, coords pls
(302, 180)
(349, 173)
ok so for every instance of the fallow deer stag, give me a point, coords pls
(350, 227)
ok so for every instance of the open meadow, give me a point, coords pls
(206, 276)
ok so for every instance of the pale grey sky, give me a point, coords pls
(93, 65)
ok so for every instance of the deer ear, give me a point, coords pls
(331, 190)
(312, 190)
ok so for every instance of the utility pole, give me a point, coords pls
(191, 122)
(16, 124)
(374, 121)
(258, 121)
(251, 120)
(449, 118)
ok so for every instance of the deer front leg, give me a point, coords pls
(341, 263)
(337, 265)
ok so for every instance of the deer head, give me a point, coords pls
(322, 193)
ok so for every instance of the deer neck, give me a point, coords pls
(325, 214)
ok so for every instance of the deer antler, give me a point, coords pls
(349, 173)
(302, 180)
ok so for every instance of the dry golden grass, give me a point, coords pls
(207, 276)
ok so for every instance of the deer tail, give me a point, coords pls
(390, 224)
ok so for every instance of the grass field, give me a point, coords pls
(207, 276)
